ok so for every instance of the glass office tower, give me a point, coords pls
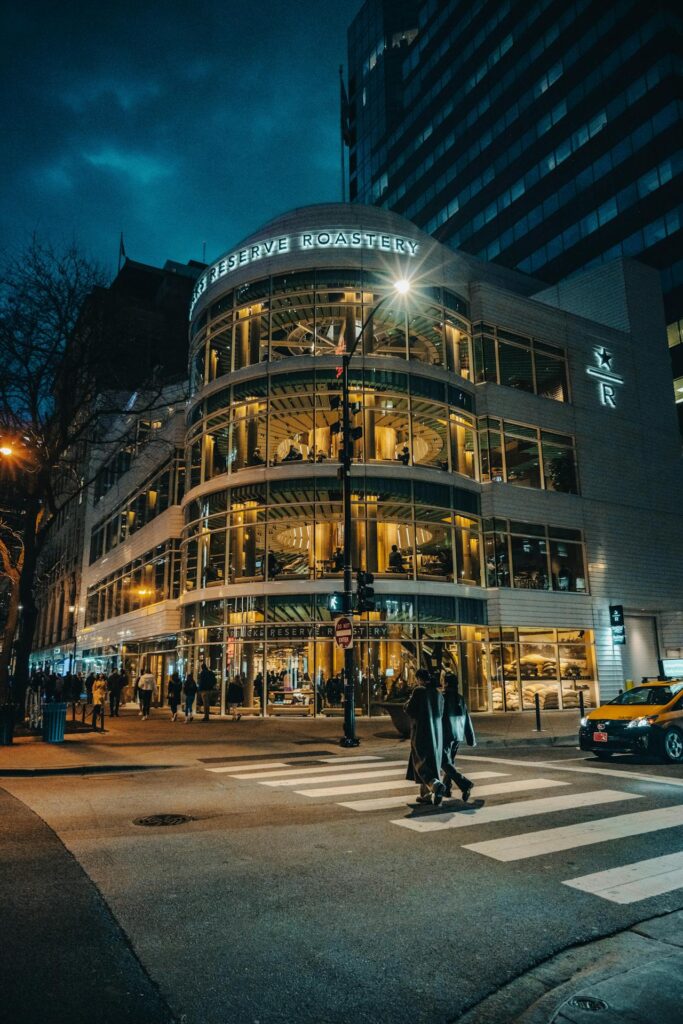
(543, 136)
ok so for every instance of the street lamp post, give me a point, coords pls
(349, 739)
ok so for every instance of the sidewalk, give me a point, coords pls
(128, 742)
(635, 976)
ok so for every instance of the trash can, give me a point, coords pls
(6, 724)
(54, 722)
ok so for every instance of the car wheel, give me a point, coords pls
(673, 746)
(602, 755)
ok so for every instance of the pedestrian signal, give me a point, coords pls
(366, 591)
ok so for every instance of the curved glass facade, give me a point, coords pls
(262, 545)
(319, 312)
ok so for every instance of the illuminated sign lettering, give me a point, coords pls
(327, 238)
(608, 380)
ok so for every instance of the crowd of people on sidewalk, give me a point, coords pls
(439, 723)
(96, 689)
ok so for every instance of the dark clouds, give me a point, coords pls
(176, 123)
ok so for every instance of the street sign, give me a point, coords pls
(343, 632)
(616, 621)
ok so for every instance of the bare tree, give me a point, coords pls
(60, 382)
(11, 564)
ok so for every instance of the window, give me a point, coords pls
(521, 456)
(501, 357)
(559, 463)
(528, 556)
(527, 456)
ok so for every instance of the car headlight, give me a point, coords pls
(584, 722)
(642, 723)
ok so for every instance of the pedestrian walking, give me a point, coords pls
(89, 680)
(114, 686)
(189, 693)
(425, 710)
(174, 693)
(207, 685)
(99, 696)
(146, 684)
(457, 728)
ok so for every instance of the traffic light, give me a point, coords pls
(335, 603)
(366, 591)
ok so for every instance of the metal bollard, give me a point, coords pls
(537, 702)
(582, 709)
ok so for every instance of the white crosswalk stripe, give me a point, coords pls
(361, 787)
(346, 776)
(224, 768)
(284, 773)
(505, 812)
(567, 837)
(384, 803)
(256, 767)
(339, 758)
(633, 882)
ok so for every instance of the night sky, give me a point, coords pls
(176, 123)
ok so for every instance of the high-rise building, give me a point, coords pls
(544, 136)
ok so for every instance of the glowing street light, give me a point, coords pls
(6, 449)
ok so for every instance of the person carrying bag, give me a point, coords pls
(457, 728)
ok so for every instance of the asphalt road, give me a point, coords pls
(274, 906)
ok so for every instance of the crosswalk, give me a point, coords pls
(370, 784)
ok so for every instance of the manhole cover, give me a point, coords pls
(588, 1003)
(153, 820)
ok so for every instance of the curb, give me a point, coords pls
(82, 769)
(530, 741)
(552, 991)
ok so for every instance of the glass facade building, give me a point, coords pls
(466, 476)
(504, 491)
(542, 136)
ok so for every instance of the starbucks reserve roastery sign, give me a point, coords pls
(327, 238)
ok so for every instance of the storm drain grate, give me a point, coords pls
(153, 820)
(587, 1003)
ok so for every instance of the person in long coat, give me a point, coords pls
(425, 710)
(457, 728)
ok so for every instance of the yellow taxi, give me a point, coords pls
(645, 719)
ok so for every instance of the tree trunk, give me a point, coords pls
(7, 641)
(29, 612)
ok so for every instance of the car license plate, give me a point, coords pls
(600, 737)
